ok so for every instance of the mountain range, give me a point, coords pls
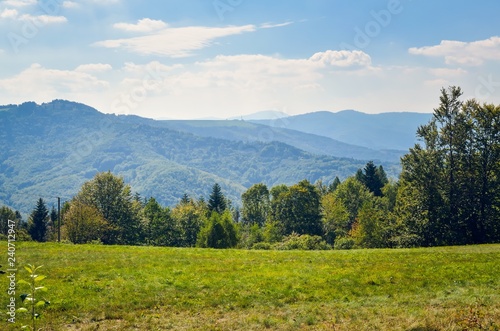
(50, 150)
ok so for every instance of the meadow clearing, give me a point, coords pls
(96, 287)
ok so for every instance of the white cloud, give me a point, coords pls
(342, 58)
(37, 20)
(19, 3)
(174, 42)
(93, 67)
(463, 53)
(41, 83)
(43, 19)
(447, 72)
(9, 13)
(270, 25)
(70, 4)
(143, 25)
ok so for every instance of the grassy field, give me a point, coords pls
(151, 288)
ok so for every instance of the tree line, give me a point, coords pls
(448, 193)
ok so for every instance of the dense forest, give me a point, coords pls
(448, 193)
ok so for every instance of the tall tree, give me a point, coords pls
(7, 214)
(373, 178)
(113, 199)
(189, 218)
(217, 200)
(420, 204)
(352, 195)
(449, 119)
(256, 204)
(159, 227)
(448, 192)
(298, 209)
(487, 144)
(38, 222)
(84, 223)
(219, 232)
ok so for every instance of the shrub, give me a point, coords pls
(302, 242)
(343, 243)
(262, 245)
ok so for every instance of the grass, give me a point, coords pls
(152, 288)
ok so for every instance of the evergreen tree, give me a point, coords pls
(185, 199)
(37, 227)
(217, 201)
(373, 178)
(448, 192)
(219, 232)
(333, 186)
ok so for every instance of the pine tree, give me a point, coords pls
(37, 227)
(217, 201)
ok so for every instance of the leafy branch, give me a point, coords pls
(31, 299)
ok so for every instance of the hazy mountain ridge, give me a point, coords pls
(51, 149)
(385, 131)
(249, 131)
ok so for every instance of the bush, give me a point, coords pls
(302, 242)
(343, 243)
(262, 245)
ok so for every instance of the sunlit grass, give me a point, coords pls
(151, 288)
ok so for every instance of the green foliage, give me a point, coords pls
(217, 201)
(189, 218)
(448, 191)
(21, 227)
(374, 178)
(159, 227)
(113, 200)
(297, 209)
(38, 222)
(250, 235)
(336, 221)
(302, 242)
(272, 232)
(374, 226)
(32, 299)
(344, 243)
(256, 204)
(74, 142)
(352, 194)
(219, 232)
(84, 223)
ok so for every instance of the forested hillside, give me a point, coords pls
(446, 194)
(240, 130)
(49, 150)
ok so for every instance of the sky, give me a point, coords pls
(186, 59)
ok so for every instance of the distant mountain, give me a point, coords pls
(49, 150)
(248, 131)
(386, 131)
(262, 115)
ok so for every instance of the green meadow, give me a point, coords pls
(95, 287)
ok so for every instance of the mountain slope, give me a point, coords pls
(248, 131)
(386, 131)
(51, 149)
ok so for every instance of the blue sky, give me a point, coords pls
(225, 58)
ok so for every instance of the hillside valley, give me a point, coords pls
(50, 150)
